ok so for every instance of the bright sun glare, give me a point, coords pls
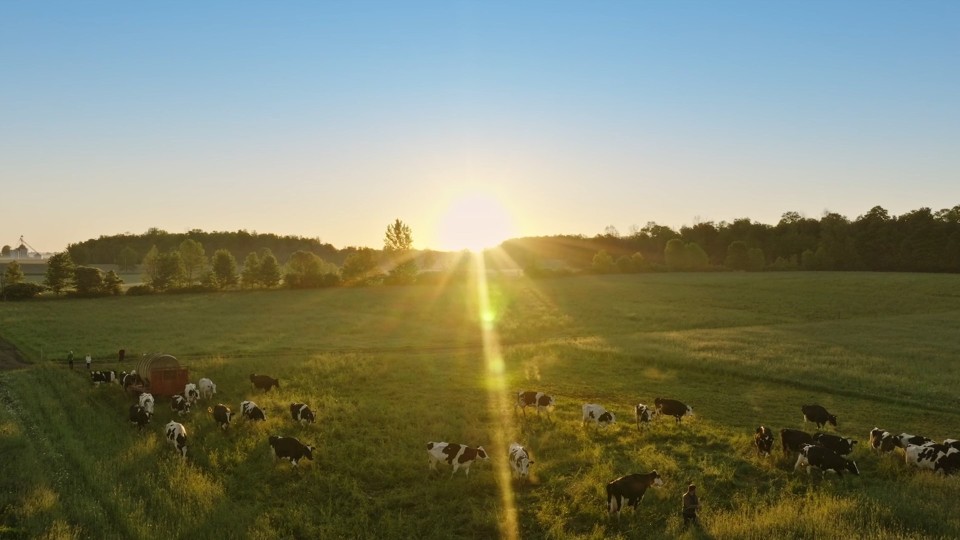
(474, 221)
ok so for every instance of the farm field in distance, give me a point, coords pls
(387, 369)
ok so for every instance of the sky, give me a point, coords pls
(331, 119)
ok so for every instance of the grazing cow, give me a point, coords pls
(301, 413)
(458, 455)
(672, 407)
(630, 489)
(146, 401)
(103, 377)
(222, 415)
(763, 440)
(180, 404)
(839, 445)
(597, 414)
(519, 460)
(794, 439)
(191, 393)
(905, 439)
(130, 379)
(817, 415)
(290, 448)
(250, 411)
(264, 382)
(948, 463)
(139, 416)
(177, 435)
(952, 443)
(538, 399)
(883, 441)
(824, 459)
(207, 388)
(926, 456)
(644, 414)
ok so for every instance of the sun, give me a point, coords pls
(474, 221)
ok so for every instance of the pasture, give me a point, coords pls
(388, 369)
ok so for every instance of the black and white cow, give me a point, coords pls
(533, 399)
(763, 440)
(221, 414)
(207, 388)
(301, 413)
(130, 379)
(905, 439)
(191, 393)
(180, 404)
(146, 401)
(250, 411)
(883, 441)
(824, 459)
(948, 463)
(817, 415)
(793, 440)
(672, 407)
(458, 455)
(139, 416)
(290, 448)
(926, 456)
(177, 435)
(597, 414)
(520, 460)
(840, 445)
(630, 489)
(952, 443)
(99, 377)
(644, 414)
(264, 382)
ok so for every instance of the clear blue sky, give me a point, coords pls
(331, 119)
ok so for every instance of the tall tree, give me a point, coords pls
(269, 275)
(675, 255)
(148, 267)
(194, 259)
(738, 255)
(87, 280)
(398, 247)
(127, 259)
(59, 271)
(250, 275)
(603, 262)
(13, 273)
(170, 273)
(112, 284)
(360, 268)
(224, 269)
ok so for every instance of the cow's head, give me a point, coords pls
(657, 481)
(481, 453)
(523, 463)
(852, 467)
(832, 420)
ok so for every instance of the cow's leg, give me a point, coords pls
(455, 467)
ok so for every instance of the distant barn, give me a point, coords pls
(162, 374)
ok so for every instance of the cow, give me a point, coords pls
(301, 413)
(191, 393)
(146, 401)
(221, 414)
(926, 456)
(597, 414)
(207, 388)
(672, 407)
(905, 439)
(130, 379)
(139, 416)
(538, 399)
(520, 460)
(948, 463)
(952, 443)
(883, 441)
(250, 411)
(458, 455)
(180, 404)
(763, 440)
(644, 414)
(813, 456)
(177, 435)
(794, 439)
(840, 445)
(817, 415)
(290, 448)
(99, 377)
(630, 489)
(264, 382)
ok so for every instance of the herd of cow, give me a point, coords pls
(821, 451)
(141, 412)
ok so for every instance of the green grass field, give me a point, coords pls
(388, 369)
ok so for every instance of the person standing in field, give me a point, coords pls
(70, 359)
(88, 361)
(691, 504)
(123, 353)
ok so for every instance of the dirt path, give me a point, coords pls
(10, 357)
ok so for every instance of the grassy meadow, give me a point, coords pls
(388, 369)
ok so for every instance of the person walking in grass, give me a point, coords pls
(691, 504)
(88, 361)
(70, 359)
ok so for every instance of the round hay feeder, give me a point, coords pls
(162, 374)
